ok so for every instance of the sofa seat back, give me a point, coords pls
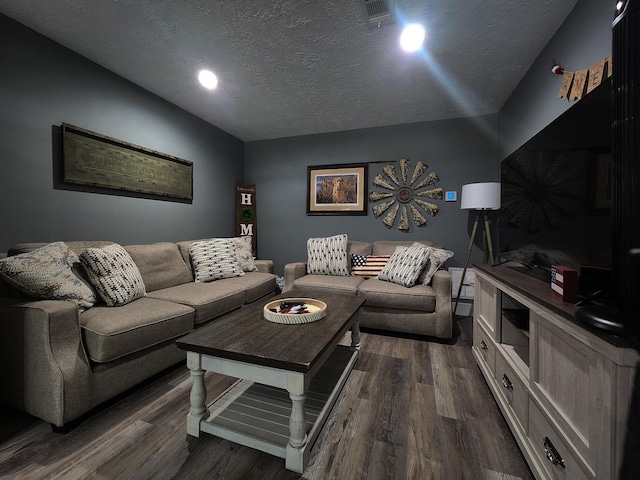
(387, 247)
(114, 332)
(161, 265)
(76, 247)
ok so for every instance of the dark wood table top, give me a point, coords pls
(245, 335)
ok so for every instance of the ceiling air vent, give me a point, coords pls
(378, 12)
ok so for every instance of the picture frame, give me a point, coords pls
(94, 160)
(337, 189)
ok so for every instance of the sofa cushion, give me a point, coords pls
(405, 265)
(111, 333)
(347, 285)
(52, 272)
(255, 285)
(214, 259)
(328, 256)
(161, 265)
(113, 273)
(209, 300)
(391, 295)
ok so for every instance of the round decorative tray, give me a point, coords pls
(283, 310)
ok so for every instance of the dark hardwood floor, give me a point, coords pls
(413, 408)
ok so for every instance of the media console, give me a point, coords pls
(564, 388)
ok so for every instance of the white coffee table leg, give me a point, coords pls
(297, 452)
(298, 421)
(198, 395)
(355, 335)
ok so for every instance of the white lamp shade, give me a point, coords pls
(480, 196)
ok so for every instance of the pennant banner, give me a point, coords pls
(576, 85)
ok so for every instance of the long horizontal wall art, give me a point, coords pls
(96, 160)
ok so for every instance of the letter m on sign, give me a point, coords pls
(246, 213)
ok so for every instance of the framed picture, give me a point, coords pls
(337, 189)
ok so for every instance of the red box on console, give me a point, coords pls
(564, 283)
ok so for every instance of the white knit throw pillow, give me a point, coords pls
(214, 259)
(114, 274)
(328, 256)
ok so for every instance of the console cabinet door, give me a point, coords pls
(573, 383)
(487, 305)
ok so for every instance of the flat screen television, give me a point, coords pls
(557, 197)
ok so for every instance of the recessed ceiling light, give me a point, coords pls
(208, 79)
(412, 37)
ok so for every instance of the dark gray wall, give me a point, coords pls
(461, 151)
(42, 85)
(583, 40)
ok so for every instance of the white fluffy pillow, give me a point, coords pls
(244, 253)
(405, 265)
(328, 256)
(214, 259)
(113, 273)
(51, 272)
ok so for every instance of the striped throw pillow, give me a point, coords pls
(328, 256)
(214, 259)
(405, 265)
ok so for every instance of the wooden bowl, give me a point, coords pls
(317, 310)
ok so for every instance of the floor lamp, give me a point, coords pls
(480, 197)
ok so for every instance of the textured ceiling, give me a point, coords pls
(298, 67)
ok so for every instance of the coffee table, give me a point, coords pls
(290, 376)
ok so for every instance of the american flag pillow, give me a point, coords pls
(368, 265)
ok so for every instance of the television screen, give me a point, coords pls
(556, 197)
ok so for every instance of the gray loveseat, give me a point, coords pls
(58, 363)
(420, 309)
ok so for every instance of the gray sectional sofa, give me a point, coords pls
(420, 309)
(59, 362)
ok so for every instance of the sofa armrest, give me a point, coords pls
(46, 372)
(441, 283)
(292, 271)
(264, 266)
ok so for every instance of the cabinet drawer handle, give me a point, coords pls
(483, 346)
(552, 454)
(506, 383)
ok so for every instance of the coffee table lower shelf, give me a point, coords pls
(258, 415)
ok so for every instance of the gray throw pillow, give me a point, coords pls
(437, 258)
(52, 272)
(244, 253)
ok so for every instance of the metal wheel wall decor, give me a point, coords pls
(538, 193)
(404, 196)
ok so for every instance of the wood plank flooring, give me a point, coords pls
(411, 409)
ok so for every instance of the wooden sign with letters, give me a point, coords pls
(246, 214)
